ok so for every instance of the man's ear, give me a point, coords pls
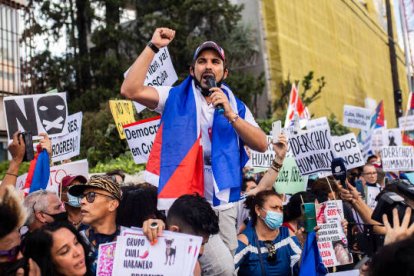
(174, 228)
(113, 205)
(39, 216)
(192, 70)
(226, 73)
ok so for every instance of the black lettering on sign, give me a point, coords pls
(16, 117)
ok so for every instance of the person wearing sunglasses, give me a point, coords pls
(100, 198)
(265, 246)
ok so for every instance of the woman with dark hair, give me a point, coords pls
(265, 246)
(139, 203)
(58, 249)
(292, 213)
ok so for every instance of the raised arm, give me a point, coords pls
(133, 86)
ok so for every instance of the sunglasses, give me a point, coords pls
(90, 196)
(271, 252)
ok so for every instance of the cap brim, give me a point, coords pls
(78, 189)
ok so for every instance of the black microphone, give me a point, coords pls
(339, 170)
(211, 82)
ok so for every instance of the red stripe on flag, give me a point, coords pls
(154, 160)
(188, 178)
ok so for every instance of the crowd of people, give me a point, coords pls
(247, 228)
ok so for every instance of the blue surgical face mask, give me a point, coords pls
(273, 219)
(73, 200)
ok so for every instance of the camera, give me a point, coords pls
(28, 141)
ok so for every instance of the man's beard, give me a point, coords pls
(206, 91)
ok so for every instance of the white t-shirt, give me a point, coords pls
(206, 121)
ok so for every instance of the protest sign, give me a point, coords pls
(391, 137)
(68, 146)
(357, 117)
(377, 140)
(58, 172)
(371, 193)
(140, 136)
(173, 254)
(263, 159)
(406, 123)
(332, 241)
(40, 113)
(312, 150)
(346, 146)
(317, 123)
(123, 114)
(160, 73)
(397, 158)
(289, 180)
(105, 259)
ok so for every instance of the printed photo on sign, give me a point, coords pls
(357, 117)
(397, 158)
(391, 137)
(312, 150)
(68, 146)
(140, 136)
(40, 113)
(347, 147)
(123, 114)
(106, 256)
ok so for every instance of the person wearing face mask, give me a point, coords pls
(265, 246)
(72, 203)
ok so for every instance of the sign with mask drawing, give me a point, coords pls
(40, 113)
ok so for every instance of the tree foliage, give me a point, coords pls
(99, 49)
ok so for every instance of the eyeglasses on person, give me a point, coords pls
(90, 196)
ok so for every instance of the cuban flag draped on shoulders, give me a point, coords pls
(176, 162)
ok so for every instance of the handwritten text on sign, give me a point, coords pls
(346, 146)
(140, 137)
(312, 150)
(123, 114)
(68, 146)
(397, 158)
(357, 117)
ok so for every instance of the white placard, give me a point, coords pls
(406, 123)
(357, 117)
(371, 194)
(391, 137)
(80, 167)
(140, 136)
(173, 254)
(319, 122)
(397, 158)
(68, 146)
(312, 150)
(346, 146)
(377, 140)
(332, 241)
(263, 159)
(39, 113)
(160, 73)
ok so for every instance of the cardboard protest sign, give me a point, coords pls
(123, 114)
(357, 117)
(39, 113)
(397, 158)
(263, 159)
(391, 137)
(160, 73)
(406, 123)
(140, 136)
(173, 254)
(332, 242)
(317, 123)
(80, 167)
(312, 150)
(346, 146)
(106, 256)
(289, 180)
(68, 146)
